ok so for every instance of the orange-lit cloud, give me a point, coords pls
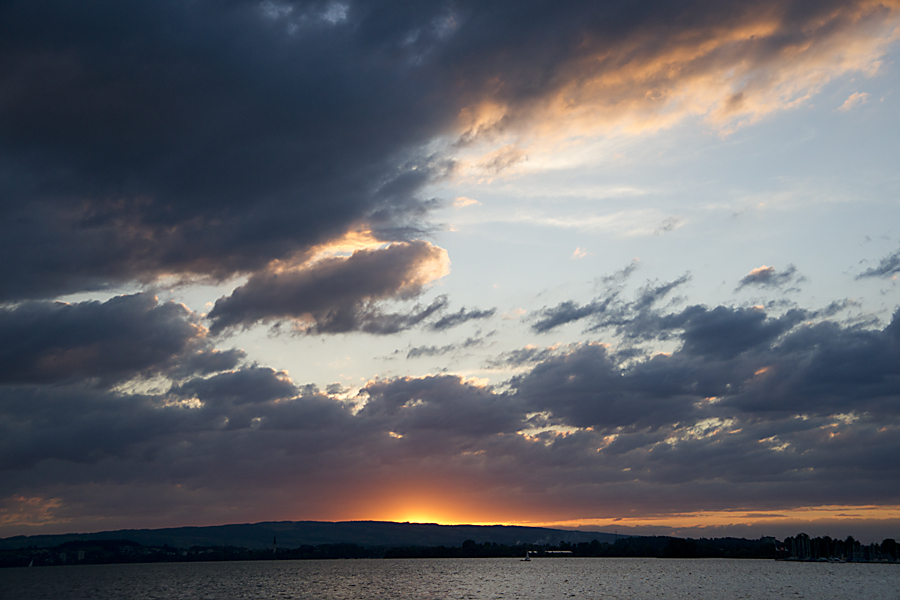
(729, 74)
(335, 292)
(462, 201)
(837, 520)
(18, 511)
(855, 99)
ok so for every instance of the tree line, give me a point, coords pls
(800, 547)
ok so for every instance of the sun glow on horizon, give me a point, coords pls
(428, 513)
(439, 513)
(721, 518)
(436, 508)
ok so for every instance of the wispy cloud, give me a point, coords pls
(463, 201)
(767, 277)
(668, 225)
(855, 99)
(888, 267)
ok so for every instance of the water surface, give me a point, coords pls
(544, 579)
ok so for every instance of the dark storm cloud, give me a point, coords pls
(588, 388)
(744, 359)
(242, 411)
(887, 267)
(249, 385)
(337, 294)
(202, 138)
(430, 405)
(804, 414)
(238, 397)
(768, 277)
(77, 424)
(826, 368)
(116, 339)
(84, 424)
(205, 362)
(726, 332)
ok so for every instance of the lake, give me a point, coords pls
(543, 578)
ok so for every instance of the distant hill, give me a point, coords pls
(292, 534)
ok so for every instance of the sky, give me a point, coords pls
(620, 266)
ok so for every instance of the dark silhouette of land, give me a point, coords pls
(371, 539)
(292, 534)
(125, 551)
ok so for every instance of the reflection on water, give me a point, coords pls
(545, 579)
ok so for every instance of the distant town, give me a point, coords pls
(802, 547)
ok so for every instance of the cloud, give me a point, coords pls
(85, 425)
(668, 225)
(112, 340)
(205, 362)
(225, 139)
(791, 414)
(430, 350)
(418, 351)
(513, 314)
(462, 202)
(585, 388)
(743, 359)
(609, 310)
(231, 137)
(338, 294)
(435, 406)
(249, 385)
(502, 159)
(855, 99)
(888, 266)
(731, 65)
(727, 332)
(568, 312)
(788, 404)
(768, 277)
(377, 322)
(460, 317)
(528, 355)
(18, 510)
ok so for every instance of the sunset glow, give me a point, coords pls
(610, 266)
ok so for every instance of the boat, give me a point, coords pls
(527, 556)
